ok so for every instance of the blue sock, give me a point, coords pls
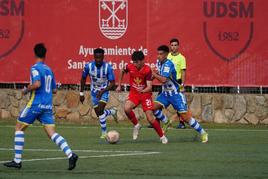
(194, 124)
(159, 115)
(102, 119)
(60, 141)
(18, 146)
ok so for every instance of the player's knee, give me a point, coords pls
(20, 127)
(98, 111)
(127, 109)
(151, 120)
(150, 116)
(50, 130)
(186, 116)
(157, 106)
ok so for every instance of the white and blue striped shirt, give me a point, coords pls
(99, 77)
(167, 69)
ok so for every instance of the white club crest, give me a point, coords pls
(113, 18)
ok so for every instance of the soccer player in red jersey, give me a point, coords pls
(140, 93)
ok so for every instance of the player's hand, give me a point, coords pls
(24, 91)
(82, 97)
(118, 89)
(58, 85)
(140, 90)
(154, 71)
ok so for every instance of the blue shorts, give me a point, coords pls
(30, 113)
(178, 101)
(95, 101)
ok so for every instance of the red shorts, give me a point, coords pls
(145, 99)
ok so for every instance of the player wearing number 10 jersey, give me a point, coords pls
(39, 107)
(140, 93)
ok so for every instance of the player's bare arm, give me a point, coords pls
(183, 74)
(160, 78)
(82, 87)
(122, 73)
(148, 87)
(32, 87)
(82, 84)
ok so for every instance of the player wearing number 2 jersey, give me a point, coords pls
(39, 107)
(140, 93)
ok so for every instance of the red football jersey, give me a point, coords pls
(138, 78)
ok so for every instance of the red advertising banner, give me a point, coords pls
(224, 41)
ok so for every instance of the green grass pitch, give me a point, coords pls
(233, 151)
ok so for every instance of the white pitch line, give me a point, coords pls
(130, 128)
(85, 157)
(87, 151)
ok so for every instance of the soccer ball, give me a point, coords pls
(112, 137)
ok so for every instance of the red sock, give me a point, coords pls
(157, 128)
(132, 117)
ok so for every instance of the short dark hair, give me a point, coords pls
(137, 56)
(40, 50)
(98, 50)
(174, 40)
(163, 48)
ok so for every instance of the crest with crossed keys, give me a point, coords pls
(113, 18)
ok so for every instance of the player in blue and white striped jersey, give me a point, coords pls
(102, 80)
(39, 107)
(171, 94)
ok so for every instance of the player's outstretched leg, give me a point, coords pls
(102, 119)
(18, 147)
(113, 112)
(63, 145)
(159, 115)
(156, 126)
(102, 114)
(129, 106)
(137, 126)
(195, 125)
(159, 131)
